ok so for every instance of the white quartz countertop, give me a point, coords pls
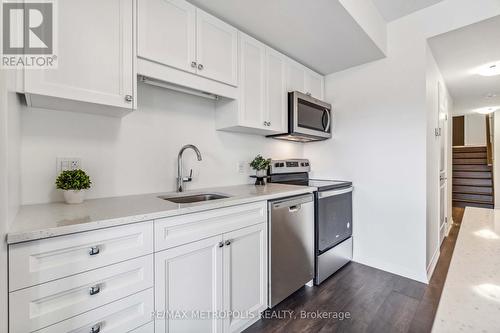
(49, 220)
(470, 301)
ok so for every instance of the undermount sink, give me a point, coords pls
(194, 198)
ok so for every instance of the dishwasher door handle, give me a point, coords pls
(294, 208)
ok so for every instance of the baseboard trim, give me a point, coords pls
(432, 264)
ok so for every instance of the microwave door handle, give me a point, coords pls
(327, 127)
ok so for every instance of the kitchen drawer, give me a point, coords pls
(37, 262)
(121, 316)
(148, 328)
(178, 230)
(46, 304)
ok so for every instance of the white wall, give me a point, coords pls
(138, 153)
(475, 129)
(380, 138)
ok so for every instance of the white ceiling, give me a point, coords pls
(459, 53)
(320, 34)
(394, 9)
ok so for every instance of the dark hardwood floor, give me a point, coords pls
(377, 301)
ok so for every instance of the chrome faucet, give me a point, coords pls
(180, 179)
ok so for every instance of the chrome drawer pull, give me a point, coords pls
(221, 244)
(228, 242)
(94, 250)
(94, 290)
(96, 328)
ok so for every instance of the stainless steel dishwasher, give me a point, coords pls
(291, 246)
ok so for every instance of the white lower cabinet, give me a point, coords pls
(212, 285)
(245, 276)
(209, 274)
(188, 278)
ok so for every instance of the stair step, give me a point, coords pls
(472, 174)
(468, 149)
(472, 190)
(458, 203)
(468, 167)
(472, 182)
(472, 197)
(469, 161)
(470, 155)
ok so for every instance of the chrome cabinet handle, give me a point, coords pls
(96, 328)
(268, 123)
(94, 250)
(221, 244)
(94, 290)
(200, 67)
(129, 98)
(228, 242)
(193, 64)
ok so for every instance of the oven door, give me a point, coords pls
(310, 116)
(333, 218)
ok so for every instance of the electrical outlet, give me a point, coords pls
(241, 167)
(68, 163)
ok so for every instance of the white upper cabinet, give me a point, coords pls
(313, 84)
(261, 104)
(301, 78)
(95, 59)
(216, 49)
(166, 33)
(184, 46)
(295, 76)
(252, 97)
(276, 111)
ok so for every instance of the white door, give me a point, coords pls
(295, 76)
(189, 278)
(216, 49)
(95, 55)
(276, 91)
(252, 82)
(166, 33)
(443, 178)
(245, 274)
(313, 84)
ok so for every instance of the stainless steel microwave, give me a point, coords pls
(309, 119)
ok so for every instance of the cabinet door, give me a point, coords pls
(295, 76)
(95, 55)
(189, 278)
(166, 33)
(245, 275)
(216, 49)
(277, 95)
(313, 84)
(252, 82)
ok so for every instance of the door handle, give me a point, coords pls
(295, 208)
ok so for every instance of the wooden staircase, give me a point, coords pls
(472, 178)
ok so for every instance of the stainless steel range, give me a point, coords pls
(332, 217)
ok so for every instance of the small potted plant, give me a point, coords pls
(260, 165)
(73, 183)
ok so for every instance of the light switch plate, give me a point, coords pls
(68, 163)
(241, 167)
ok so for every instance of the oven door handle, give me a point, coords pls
(332, 193)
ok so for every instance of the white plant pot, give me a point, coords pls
(261, 173)
(73, 196)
